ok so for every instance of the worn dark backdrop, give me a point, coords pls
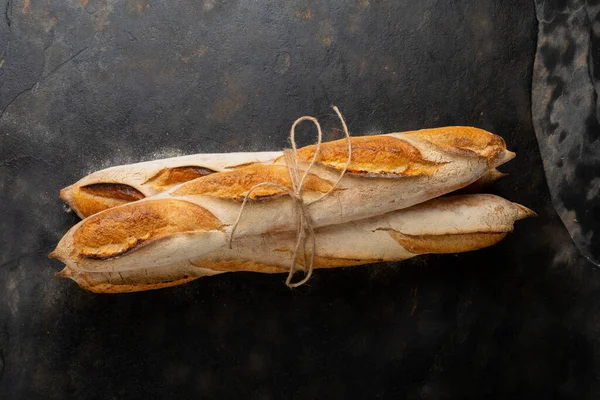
(87, 84)
(566, 114)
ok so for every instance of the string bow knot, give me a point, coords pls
(304, 228)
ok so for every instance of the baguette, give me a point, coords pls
(450, 224)
(119, 185)
(122, 184)
(386, 173)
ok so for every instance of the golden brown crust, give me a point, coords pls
(524, 212)
(372, 155)
(464, 140)
(237, 166)
(114, 190)
(126, 282)
(236, 184)
(111, 288)
(121, 229)
(91, 199)
(336, 262)
(443, 244)
(235, 265)
(168, 177)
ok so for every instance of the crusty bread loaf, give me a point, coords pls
(387, 173)
(122, 184)
(450, 224)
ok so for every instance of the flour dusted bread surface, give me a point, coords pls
(91, 199)
(378, 187)
(136, 280)
(125, 183)
(169, 177)
(117, 231)
(373, 155)
(397, 154)
(435, 226)
(463, 139)
(235, 185)
(444, 225)
(393, 155)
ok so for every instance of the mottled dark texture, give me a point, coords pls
(565, 114)
(88, 84)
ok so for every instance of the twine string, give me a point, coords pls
(304, 228)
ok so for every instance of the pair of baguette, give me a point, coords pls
(167, 222)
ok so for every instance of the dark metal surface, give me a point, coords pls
(88, 84)
(566, 112)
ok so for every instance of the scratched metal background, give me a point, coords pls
(87, 84)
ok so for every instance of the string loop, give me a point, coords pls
(304, 228)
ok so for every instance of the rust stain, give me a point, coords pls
(304, 14)
(228, 106)
(101, 22)
(26, 5)
(363, 3)
(102, 15)
(356, 22)
(197, 54)
(137, 6)
(53, 21)
(234, 100)
(325, 34)
(83, 3)
(201, 51)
